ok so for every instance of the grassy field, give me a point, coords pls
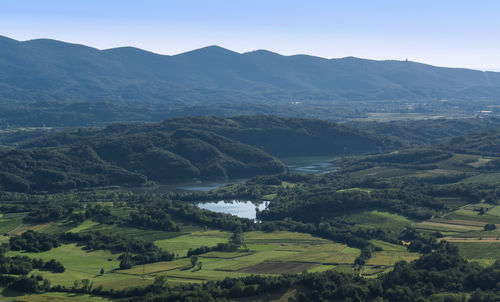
(146, 234)
(465, 228)
(155, 268)
(465, 214)
(378, 219)
(365, 190)
(281, 237)
(494, 211)
(443, 226)
(390, 254)
(271, 267)
(48, 297)
(483, 252)
(7, 225)
(490, 178)
(384, 172)
(181, 244)
(87, 224)
(81, 265)
(328, 253)
(268, 253)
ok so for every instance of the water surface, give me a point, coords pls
(309, 164)
(240, 208)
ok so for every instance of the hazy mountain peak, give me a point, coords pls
(209, 50)
(262, 52)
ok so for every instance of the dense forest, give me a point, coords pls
(428, 131)
(172, 151)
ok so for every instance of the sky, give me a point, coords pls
(440, 32)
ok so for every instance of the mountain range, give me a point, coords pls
(50, 70)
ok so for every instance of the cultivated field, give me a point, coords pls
(465, 228)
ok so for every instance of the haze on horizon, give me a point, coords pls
(442, 33)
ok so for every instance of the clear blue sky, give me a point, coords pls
(439, 32)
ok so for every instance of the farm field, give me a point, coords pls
(390, 254)
(482, 252)
(490, 178)
(465, 229)
(272, 253)
(267, 253)
(180, 245)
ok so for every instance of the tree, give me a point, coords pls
(125, 263)
(194, 260)
(200, 265)
(85, 284)
(102, 271)
(236, 239)
(490, 227)
(160, 284)
(481, 211)
(46, 285)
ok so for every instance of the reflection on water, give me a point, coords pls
(200, 186)
(240, 208)
(209, 185)
(309, 164)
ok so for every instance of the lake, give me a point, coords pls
(299, 164)
(246, 209)
(240, 208)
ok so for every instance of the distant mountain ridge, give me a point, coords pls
(49, 70)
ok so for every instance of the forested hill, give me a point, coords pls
(429, 131)
(49, 70)
(175, 150)
(288, 136)
(275, 135)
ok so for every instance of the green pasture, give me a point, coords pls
(281, 237)
(488, 178)
(464, 214)
(278, 251)
(485, 253)
(81, 264)
(383, 172)
(390, 254)
(365, 190)
(181, 244)
(130, 232)
(379, 219)
(9, 224)
(48, 297)
(494, 211)
(87, 224)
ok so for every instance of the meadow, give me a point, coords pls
(264, 253)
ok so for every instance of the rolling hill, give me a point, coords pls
(172, 151)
